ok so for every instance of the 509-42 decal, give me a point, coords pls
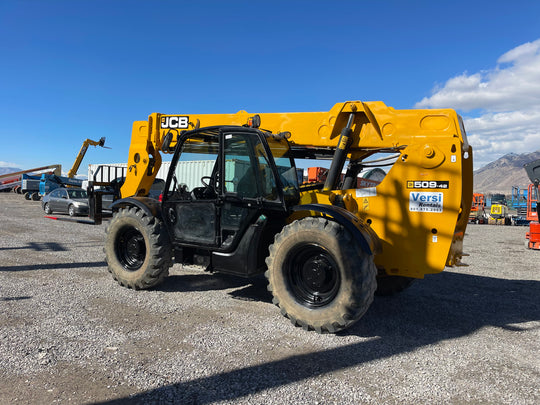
(428, 184)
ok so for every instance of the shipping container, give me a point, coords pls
(191, 172)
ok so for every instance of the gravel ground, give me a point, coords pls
(70, 334)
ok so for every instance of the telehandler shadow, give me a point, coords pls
(53, 266)
(53, 246)
(444, 306)
(40, 247)
(252, 289)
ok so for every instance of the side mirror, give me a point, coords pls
(255, 121)
(167, 140)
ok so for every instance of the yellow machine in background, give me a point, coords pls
(498, 212)
(80, 156)
(411, 224)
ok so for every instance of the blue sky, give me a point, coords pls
(72, 70)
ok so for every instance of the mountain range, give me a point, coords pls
(504, 173)
(6, 170)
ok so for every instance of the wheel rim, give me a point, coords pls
(312, 274)
(130, 249)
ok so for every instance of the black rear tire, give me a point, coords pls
(319, 275)
(137, 249)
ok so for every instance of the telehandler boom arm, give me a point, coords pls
(375, 126)
(80, 156)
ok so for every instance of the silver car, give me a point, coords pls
(72, 201)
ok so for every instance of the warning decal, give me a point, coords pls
(366, 192)
(425, 202)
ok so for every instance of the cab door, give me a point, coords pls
(249, 186)
(221, 183)
(253, 207)
(190, 201)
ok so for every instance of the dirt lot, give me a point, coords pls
(70, 334)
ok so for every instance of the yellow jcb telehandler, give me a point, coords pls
(233, 204)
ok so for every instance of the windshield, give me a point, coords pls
(197, 160)
(247, 168)
(287, 171)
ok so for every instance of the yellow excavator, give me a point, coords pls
(232, 203)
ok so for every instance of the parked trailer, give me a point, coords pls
(13, 181)
(9, 183)
(36, 186)
(49, 182)
(30, 187)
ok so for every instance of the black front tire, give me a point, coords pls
(319, 275)
(71, 210)
(137, 249)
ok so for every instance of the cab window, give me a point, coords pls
(247, 169)
(196, 167)
(286, 169)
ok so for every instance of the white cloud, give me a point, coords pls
(7, 164)
(503, 104)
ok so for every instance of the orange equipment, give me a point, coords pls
(478, 214)
(533, 236)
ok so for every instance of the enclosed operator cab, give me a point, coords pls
(226, 195)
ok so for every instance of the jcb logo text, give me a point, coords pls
(175, 122)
